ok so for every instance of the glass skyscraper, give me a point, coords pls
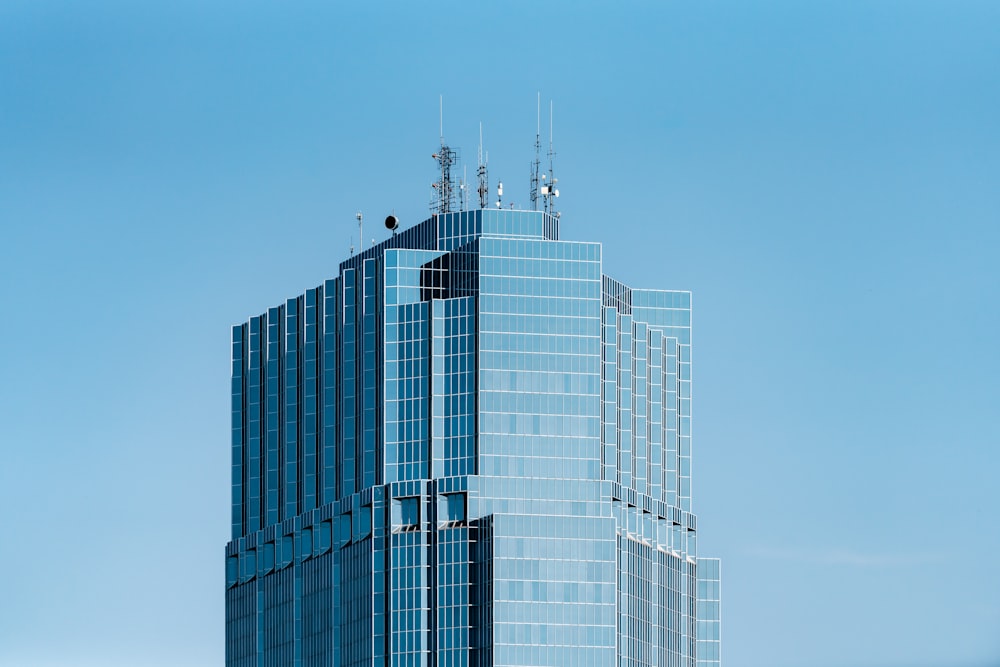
(470, 447)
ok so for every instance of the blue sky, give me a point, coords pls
(823, 177)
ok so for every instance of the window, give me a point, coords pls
(249, 565)
(305, 543)
(267, 555)
(232, 570)
(286, 556)
(362, 523)
(324, 536)
(405, 514)
(451, 507)
(343, 535)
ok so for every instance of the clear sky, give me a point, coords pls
(823, 176)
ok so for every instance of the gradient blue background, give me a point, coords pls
(823, 176)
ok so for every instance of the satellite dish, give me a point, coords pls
(391, 222)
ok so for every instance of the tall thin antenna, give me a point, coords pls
(445, 188)
(441, 117)
(538, 146)
(464, 188)
(481, 176)
(550, 191)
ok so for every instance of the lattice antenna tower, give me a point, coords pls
(549, 190)
(481, 174)
(446, 157)
(538, 147)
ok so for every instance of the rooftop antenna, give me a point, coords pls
(392, 222)
(550, 191)
(538, 147)
(444, 187)
(464, 187)
(361, 236)
(481, 172)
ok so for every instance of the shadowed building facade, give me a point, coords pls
(470, 447)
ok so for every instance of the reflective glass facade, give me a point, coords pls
(470, 447)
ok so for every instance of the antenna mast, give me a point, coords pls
(481, 173)
(444, 187)
(550, 191)
(464, 187)
(538, 146)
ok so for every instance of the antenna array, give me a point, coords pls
(447, 195)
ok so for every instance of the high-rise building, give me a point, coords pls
(470, 447)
